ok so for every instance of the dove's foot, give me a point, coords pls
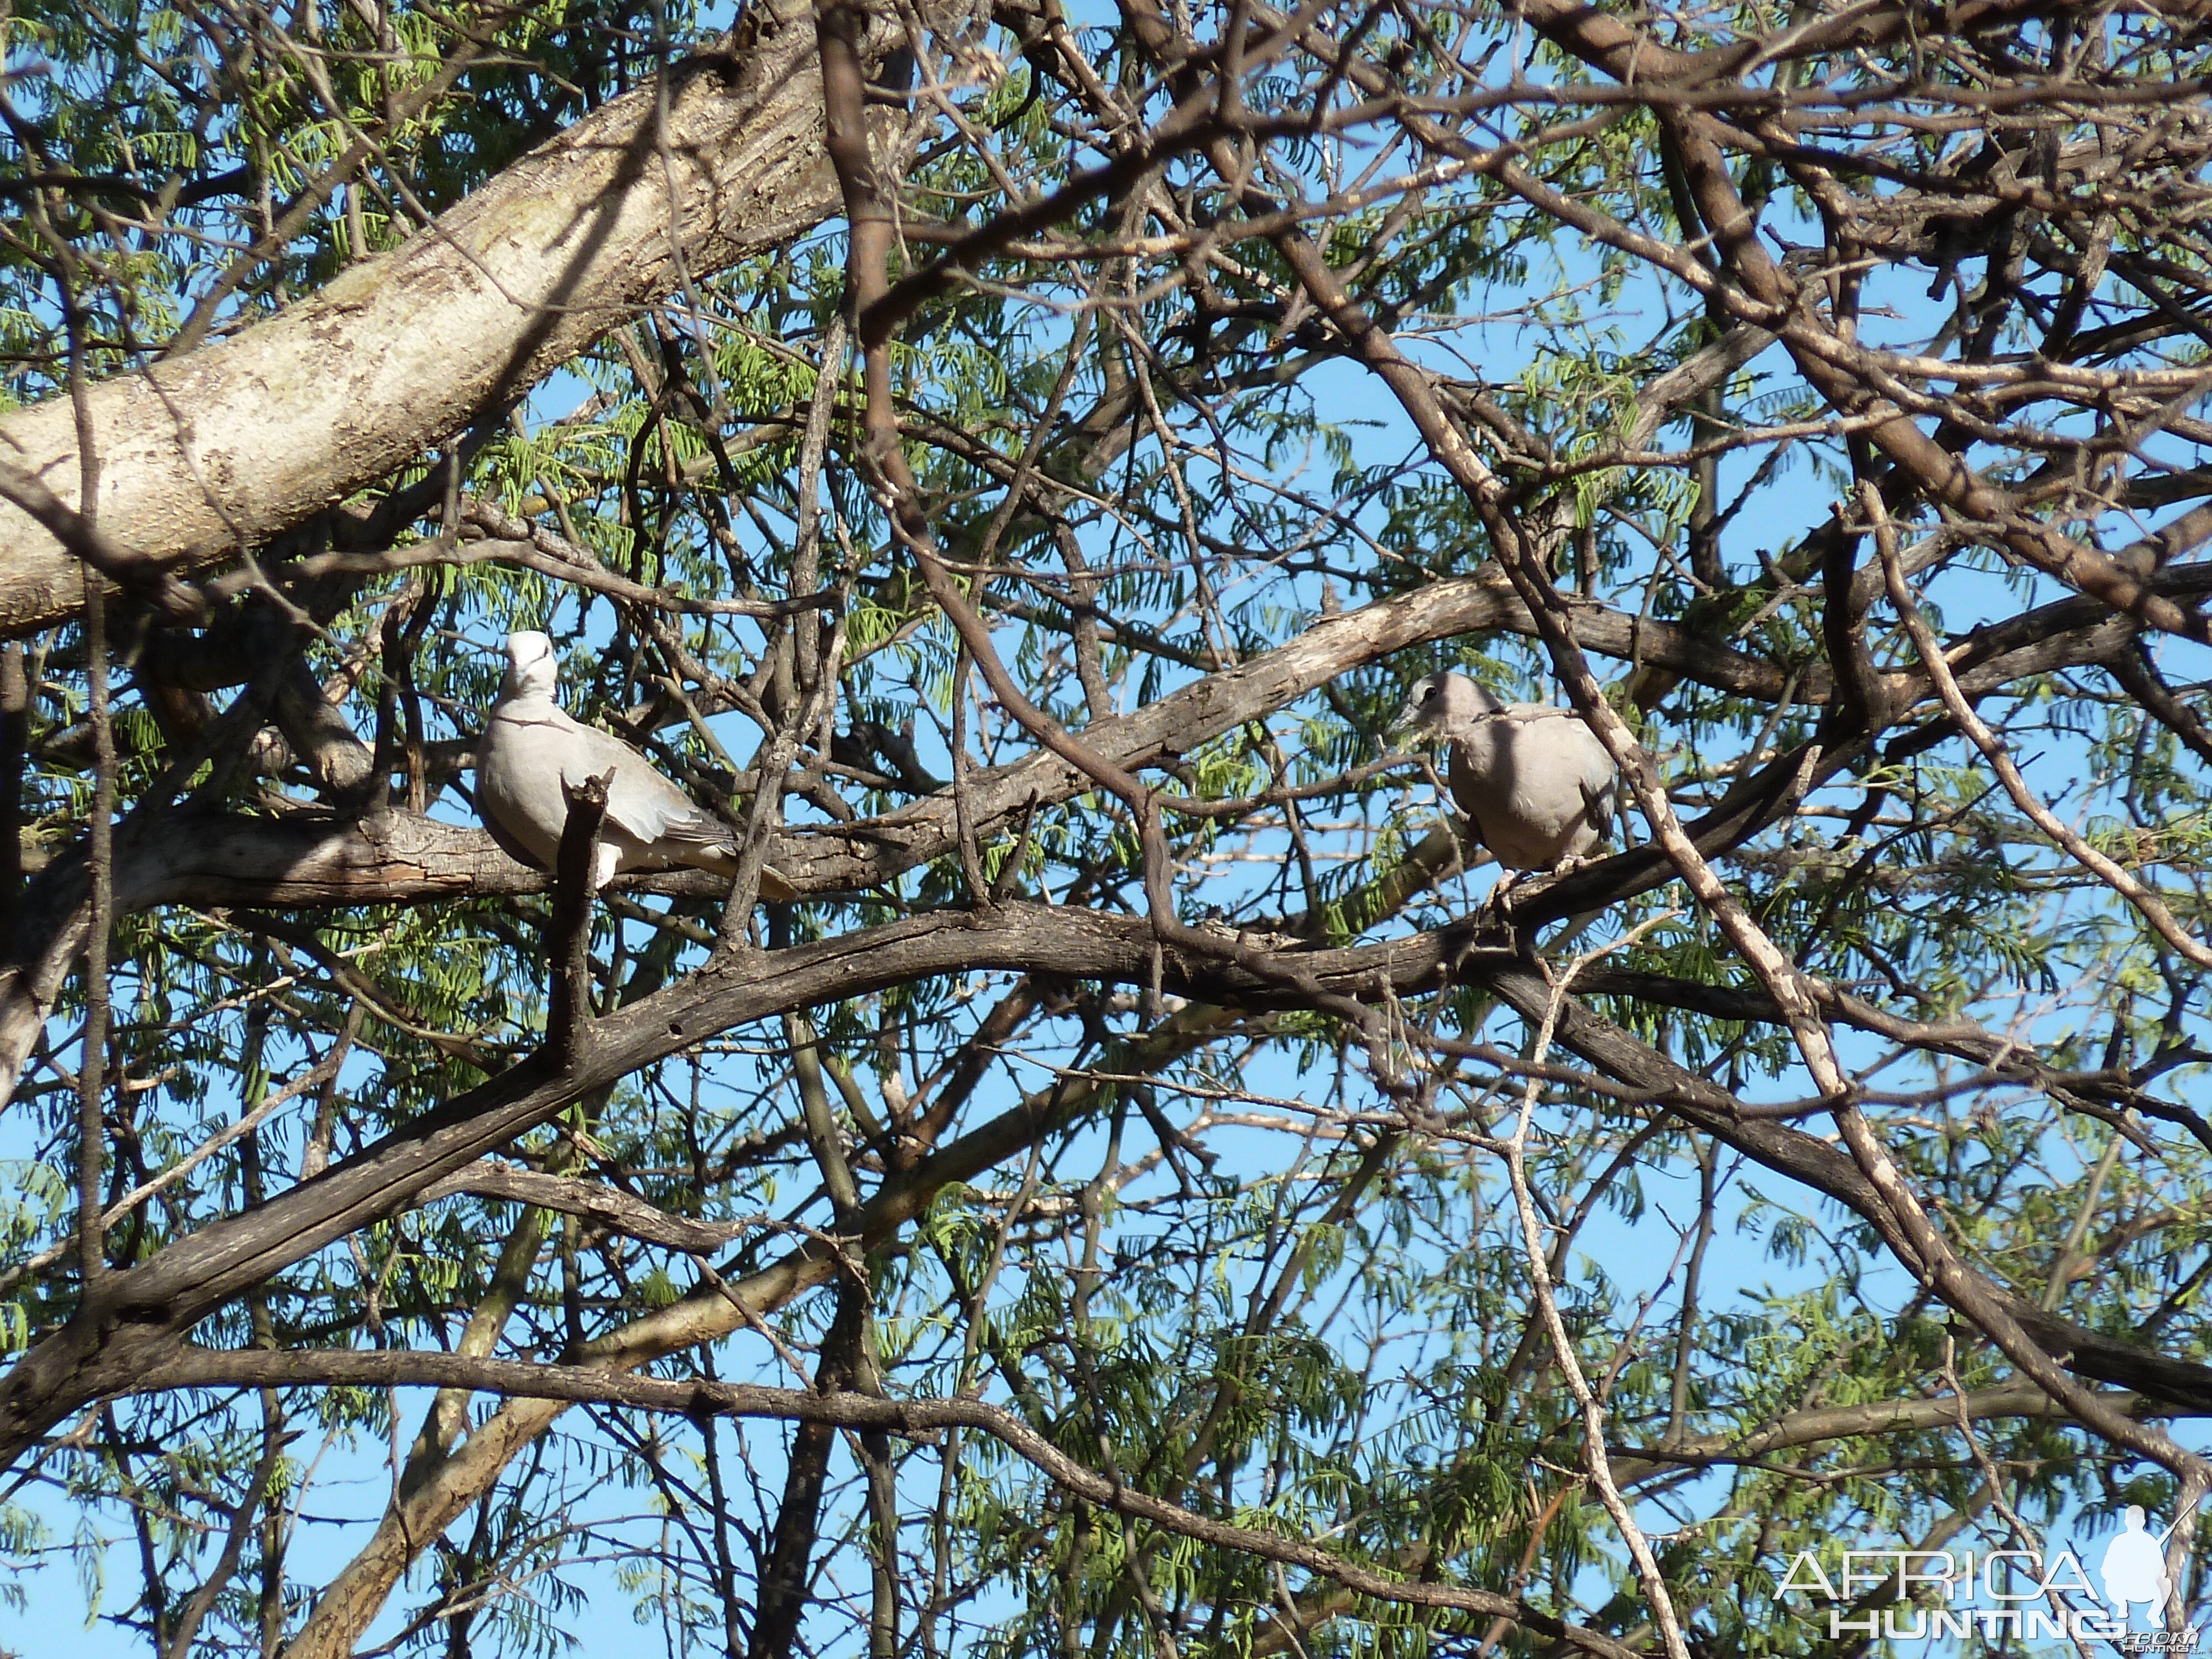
(1496, 907)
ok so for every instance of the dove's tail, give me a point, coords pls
(721, 859)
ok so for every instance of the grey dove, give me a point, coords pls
(531, 746)
(1535, 782)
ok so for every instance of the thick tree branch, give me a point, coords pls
(225, 446)
(182, 1284)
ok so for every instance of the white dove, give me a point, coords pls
(531, 747)
(1535, 782)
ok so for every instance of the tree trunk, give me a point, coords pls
(232, 443)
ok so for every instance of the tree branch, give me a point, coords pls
(223, 449)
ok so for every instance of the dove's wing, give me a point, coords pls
(1536, 783)
(640, 803)
(532, 748)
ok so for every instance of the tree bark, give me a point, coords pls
(225, 446)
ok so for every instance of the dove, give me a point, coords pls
(1534, 781)
(531, 747)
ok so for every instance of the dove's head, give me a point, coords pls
(1442, 705)
(530, 670)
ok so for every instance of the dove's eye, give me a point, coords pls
(1430, 696)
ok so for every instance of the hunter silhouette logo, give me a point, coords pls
(2022, 1594)
(2134, 1568)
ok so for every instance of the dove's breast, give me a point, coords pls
(1537, 784)
(518, 783)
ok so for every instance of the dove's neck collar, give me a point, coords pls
(1467, 706)
(534, 682)
(1514, 713)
